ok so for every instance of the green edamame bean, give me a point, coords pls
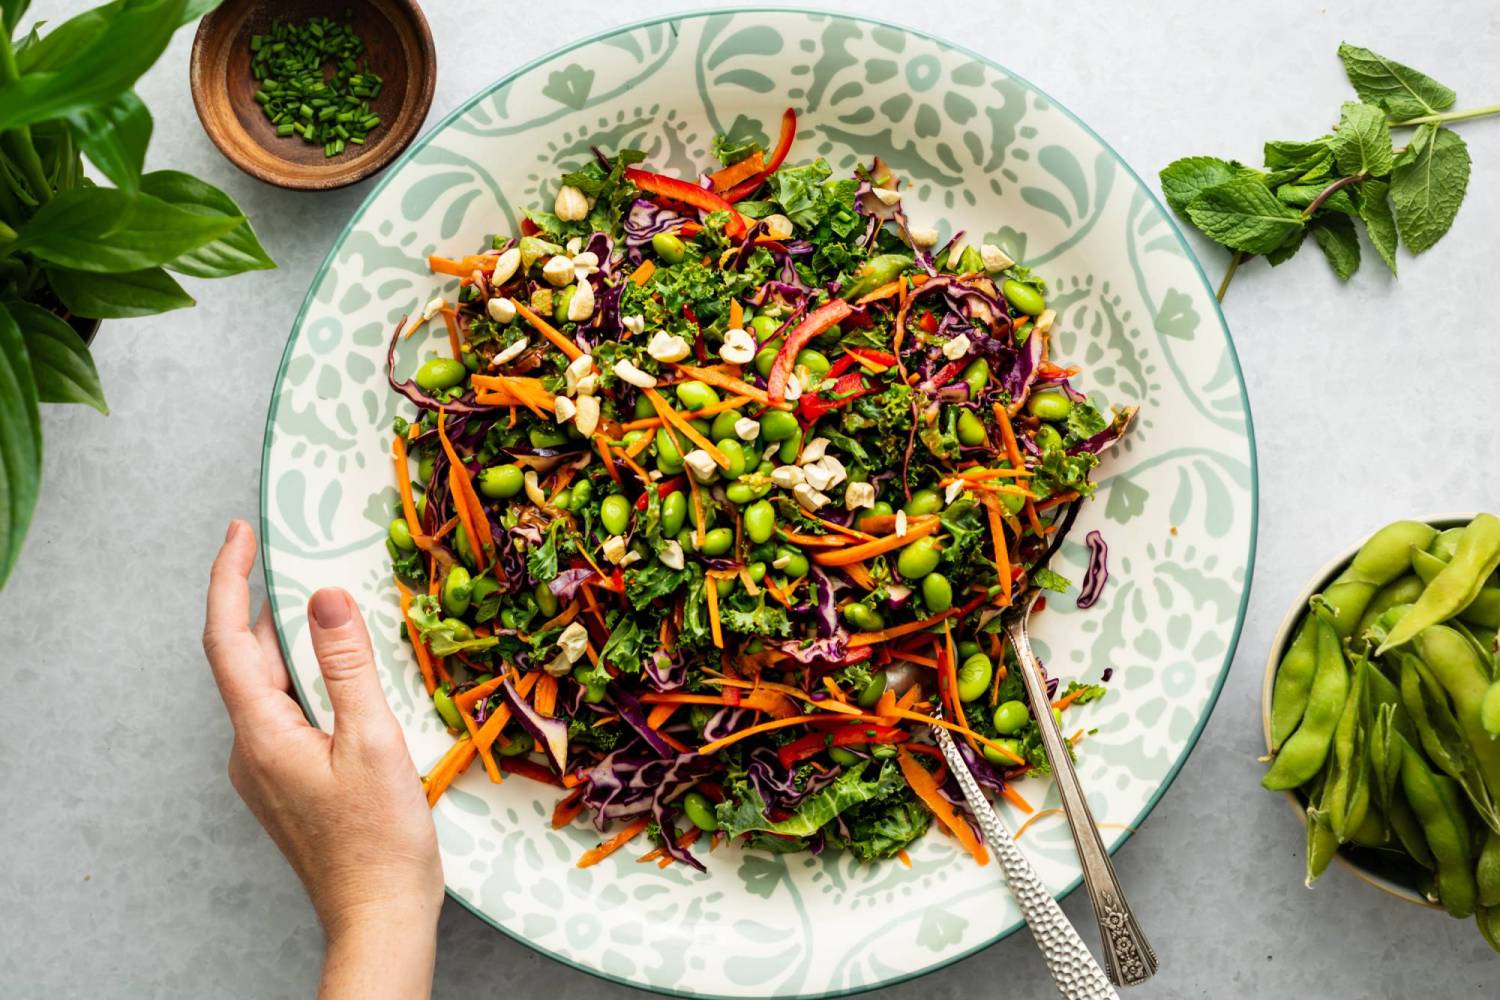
(1304, 752)
(1012, 753)
(757, 571)
(796, 564)
(880, 509)
(673, 513)
(1456, 587)
(974, 677)
(699, 811)
(461, 543)
(843, 756)
(873, 689)
(687, 538)
(760, 521)
(777, 425)
(735, 452)
(863, 617)
(878, 270)
(923, 502)
(1023, 298)
(1049, 404)
(1294, 677)
(722, 428)
(1401, 591)
(437, 374)
(1383, 558)
(814, 361)
(1011, 717)
(718, 541)
(644, 407)
(521, 744)
(937, 593)
(400, 533)
(790, 448)
(977, 375)
(918, 559)
(1047, 438)
(970, 428)
(668, 458)
(543, 436)
(545, 599)
(739, 493)
(425, 463)
(1012, 503)
(966, 649)
(765, 358)
(457, 591)
(669, 247)
(725, 586)
(695, 395)
(1435, 800)
(459, 628)
(614, 512)
(442, 700)
(764, 327)
(560, 302)
(564, 499)
(499, 482)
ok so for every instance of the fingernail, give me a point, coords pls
(234, 529)
(329, 608)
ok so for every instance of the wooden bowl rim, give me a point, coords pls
(335, 175)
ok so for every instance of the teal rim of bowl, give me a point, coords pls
(417, 145)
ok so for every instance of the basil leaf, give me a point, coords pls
(20, 442)
(117, 296)
(116, 49)
(1243, 214)
(232, 253)
(1428, 185)
(1401, 90)
(1362, 142)
(1375, 208)
(1339, 242)
(60, 362)
(114, 138)
(1183, 180)
(102, 229)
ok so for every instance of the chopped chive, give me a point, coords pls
(314, 83)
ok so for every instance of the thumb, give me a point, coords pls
(342, 645)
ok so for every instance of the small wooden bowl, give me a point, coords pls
(398, 46)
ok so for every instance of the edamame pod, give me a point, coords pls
(1294, 679)
(1458, 667)
(1434, 798)
(1346, 791)
(1305, 751)
(1403, 590)
(1483, 611)
(1459, 583)
(1442, 738)
(1382, 559)
(1487, 871)
(1322, 845)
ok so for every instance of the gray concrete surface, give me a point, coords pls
(129, 868)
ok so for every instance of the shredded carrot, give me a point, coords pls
(739, 387)
(924, 661)
(760, 689)
(834, 691)
(953, 727)
(671, 416)
(926, 788)
(712, 592)
(1008, 436)
(765, 727)
(885, 291)
(981, 474)
(736, 314)
(595, 855)
(917, 527)
(694, 494)
(463, 490)
(1020, 830)
(903, 857)
(1068, 699)
(1002, 547)
(466, 700)
(424, 658)
(562, 618)
(950, 654)
(860, 575)
(451, 320)
(567, 809)
(601, 443)
(541, 326)
(641, 275)
(659, 715)
(897, 631)
(713, 409)
(450, 766)
(403, 486)
(544, 695)
(733, 174)
(497, 721)
(815, 541)
(839, 528)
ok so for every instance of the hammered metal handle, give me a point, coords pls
(1127, 954)
(1077, 975)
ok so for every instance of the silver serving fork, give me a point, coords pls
(1128, 956)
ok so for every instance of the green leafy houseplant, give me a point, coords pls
(75, 250)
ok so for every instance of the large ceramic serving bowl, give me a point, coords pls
(982, 150)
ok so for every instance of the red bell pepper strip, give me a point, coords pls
(928, 323)
(851, 735)
(529, 228)
(814, 323)
(747, 187)
(873, 356)
(664, 487)
(688, 194)
(846, 390)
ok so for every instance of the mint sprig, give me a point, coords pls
(1326, 187)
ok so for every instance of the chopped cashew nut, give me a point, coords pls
(670, 554)
(636, 324)
(574, 245)
(787, 476)
(809, 498)
(501, 309)
(746, 428)
(994, 258)
(505, 266)
(571, 204)
(836, 472)
(900, 524)
(510, 353)
(566, 409)
(627, 372)
(586, 263)
(666, 347)
(587, 386)
(954, 489)
(778, 226)
(923, 239)
(793, 389)
(573, 641)
(701, 464)
(738, 347)
(533, 489)
(817, 476)
(1045, 320)
(781, 562)
(581, 307)
(577, 369)
(432, 308)
(957, 347)
(614, 549)
(814, 450)
(858, 495)
(559, 665)
(887, 196)
(587, 417)
(558, 271)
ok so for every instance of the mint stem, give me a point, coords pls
(1332, 190)
(1449, 116)
(1239, 258)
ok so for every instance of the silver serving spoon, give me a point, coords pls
(1077, 975)
(1127, 954)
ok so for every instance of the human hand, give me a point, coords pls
(347, 808)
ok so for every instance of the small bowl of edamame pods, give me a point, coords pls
(1394, 640)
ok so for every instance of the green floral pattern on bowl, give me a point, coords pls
(982, 150)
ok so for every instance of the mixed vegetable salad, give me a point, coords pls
(719, 495)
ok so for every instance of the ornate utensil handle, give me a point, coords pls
(1077, 974)
(1128, 955)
